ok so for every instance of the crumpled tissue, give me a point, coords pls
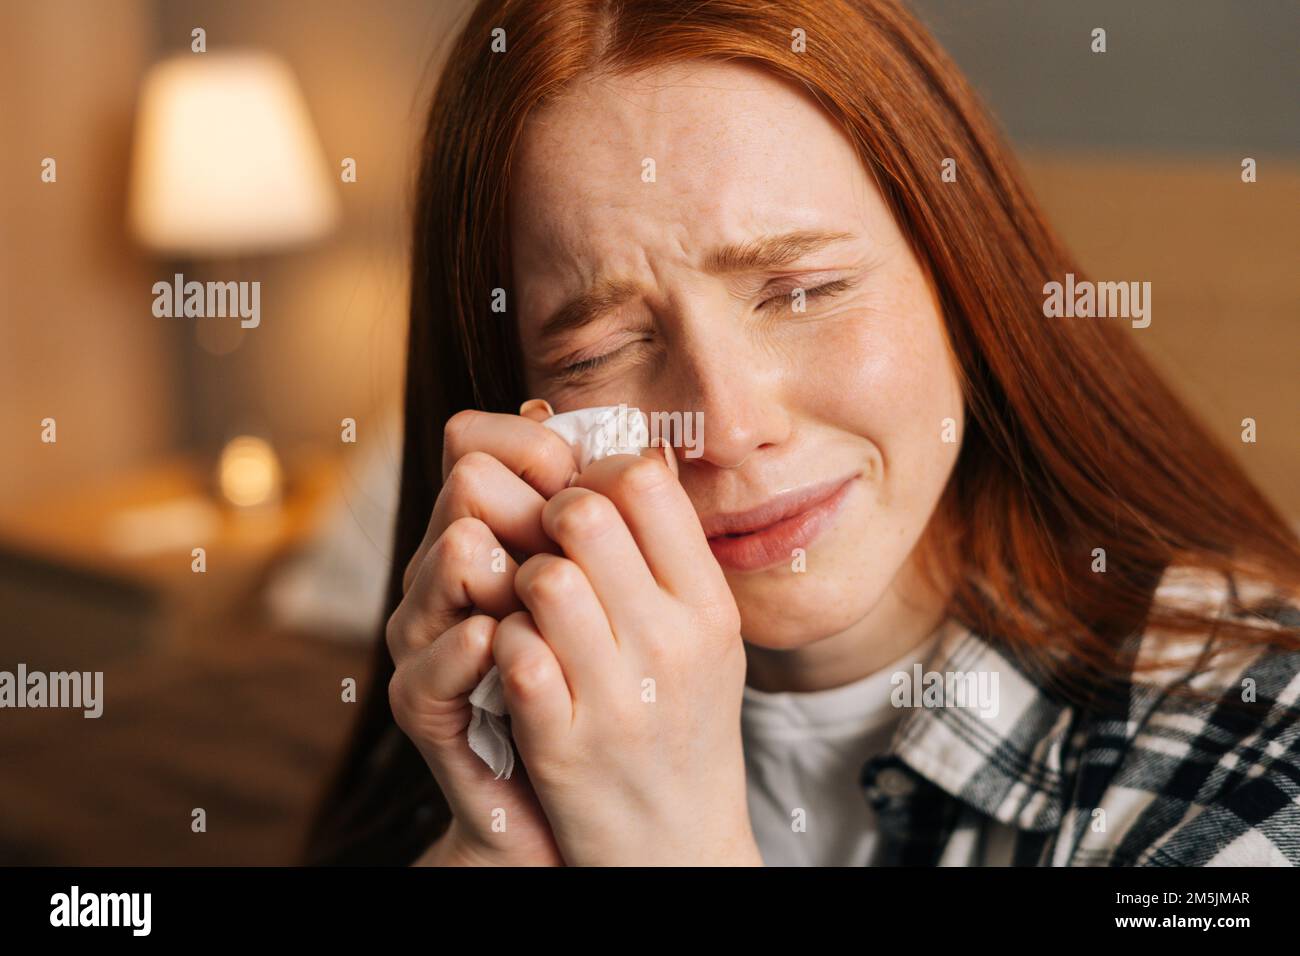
(593, 433)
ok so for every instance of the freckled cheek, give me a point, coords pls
(645, 387)
(885, 379)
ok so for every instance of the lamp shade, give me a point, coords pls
(226, 159)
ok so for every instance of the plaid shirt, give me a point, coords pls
(1174, 782)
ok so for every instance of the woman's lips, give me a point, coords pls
(772, 543)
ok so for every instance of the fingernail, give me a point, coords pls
(572, 478)
(534, 405)
(670, 458)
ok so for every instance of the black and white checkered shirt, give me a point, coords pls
(1168, 782)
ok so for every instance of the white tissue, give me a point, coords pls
(489, 736)
(593, 434)
(596, 433)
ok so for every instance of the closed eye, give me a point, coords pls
(575, 370)
(826, 289)
(586, 365)
(568, 373)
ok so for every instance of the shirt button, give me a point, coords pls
(894, 782)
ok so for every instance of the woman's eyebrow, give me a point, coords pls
(769, 252)
(753, 255)
(604, 295)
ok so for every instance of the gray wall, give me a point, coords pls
(1187, 75)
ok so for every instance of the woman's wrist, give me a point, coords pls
(453, 849)
(449, 850)
(436, 855)
(457, 848)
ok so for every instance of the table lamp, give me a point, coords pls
(226, 160)
(226, 165)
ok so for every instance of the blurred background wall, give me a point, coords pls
(224, 694)
(73, 340)
(1135, 153)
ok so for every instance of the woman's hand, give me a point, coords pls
(624, 675)
(498, 471)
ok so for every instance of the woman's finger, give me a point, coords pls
(429, 687)
(526, 447)
(659, 513)
(465, 568)
(569, 616)
(481, 487)
(593, 535)
(537, 696)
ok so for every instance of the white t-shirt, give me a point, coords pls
(805, 751)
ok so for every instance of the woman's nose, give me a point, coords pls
(733, 389)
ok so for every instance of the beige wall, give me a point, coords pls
(1220, 257)
(77, 341)
(77, 337)
(331, 343)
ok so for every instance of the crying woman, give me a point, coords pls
(907, 467)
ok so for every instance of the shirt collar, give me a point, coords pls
(1013, 765)
(1005, 761)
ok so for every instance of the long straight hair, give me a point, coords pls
(1073, 441)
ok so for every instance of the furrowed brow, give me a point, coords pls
(769, 252)
(604, 295)
(755, 255)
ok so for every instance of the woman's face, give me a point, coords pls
(640, 182)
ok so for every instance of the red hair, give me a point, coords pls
(1072, 441)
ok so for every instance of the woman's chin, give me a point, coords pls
(796, 614)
